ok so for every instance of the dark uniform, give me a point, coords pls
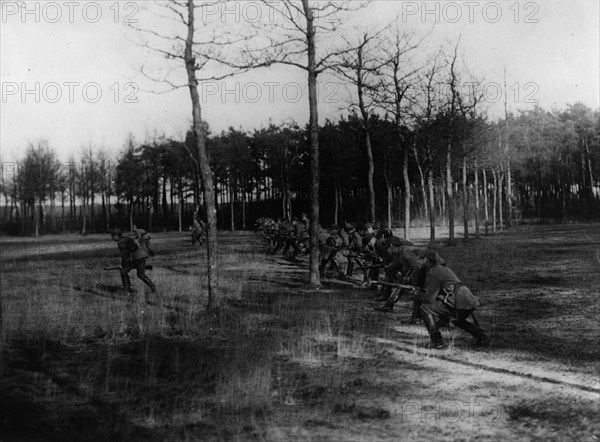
(370, 258)
(329, 247)
(133, 256)
(300, 243)
(355, 244)
(404, 268)
(447, 299)
(198, 232)
(283, 235)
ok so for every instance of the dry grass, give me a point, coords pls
(277, 362)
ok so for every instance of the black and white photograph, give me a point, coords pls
(299, 220)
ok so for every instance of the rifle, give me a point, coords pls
(396, 285)
(374, 266)
(148, 267)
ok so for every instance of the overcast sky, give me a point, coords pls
(70, 71)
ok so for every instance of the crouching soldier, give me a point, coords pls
(198, 232)
(447, 299)
(133, 256)
(329, 246)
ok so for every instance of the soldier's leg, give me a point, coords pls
(277, 243)
(470, 327)
(388, 306)
(416, 313)
(125, 281)
(287, 243)
(350, 267)
(432, 313)
(322, 265)
(140, 267)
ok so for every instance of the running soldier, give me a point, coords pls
(134, 253)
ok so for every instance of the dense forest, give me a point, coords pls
(536, 165)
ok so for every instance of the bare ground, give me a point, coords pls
(82, 361)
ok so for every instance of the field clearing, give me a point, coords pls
(83, 361)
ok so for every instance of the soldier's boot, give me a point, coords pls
(385, 307)
(475, 331)
(388, 306)
(434, 333)
(382, 294)
(149, 283)
(126, 282)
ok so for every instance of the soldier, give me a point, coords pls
(306, 221)
(370, 259)
(419, 284)
(198, 231)
(352, 241)
(283, 235)
(405, 263)
(133, 256)
(447, 299)
(300, 237)
(329, 246)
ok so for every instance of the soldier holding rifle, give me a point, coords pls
(447, 299)
(405, 264)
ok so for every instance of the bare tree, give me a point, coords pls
(397, 78)
(360, 66)
(194, 55)
(293, 42)
(427, 107)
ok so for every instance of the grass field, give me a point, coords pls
(81, 360)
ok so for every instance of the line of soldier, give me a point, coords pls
(439, 296)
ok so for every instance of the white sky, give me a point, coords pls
(58, 56)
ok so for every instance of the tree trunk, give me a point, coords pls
(430, 208)
(390, 197)
(243, 210)
(509, 195)
(465, 199)
(426, 205)
(485, 203)
(477, 209)
(205, 172)
(449, 192)
(180, 208)
(430, 200)
(494, 200)
(231, 207)
(370, 176)
(337, 202)
(406, 195)
(36, 218)
(500, 211)
(589, 165)
(314, 279)
(84, 215)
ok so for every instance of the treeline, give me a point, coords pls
(449, 166)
